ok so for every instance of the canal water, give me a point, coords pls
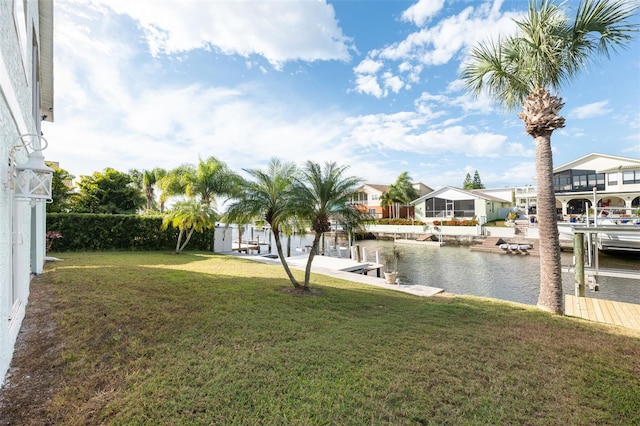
(516, 278)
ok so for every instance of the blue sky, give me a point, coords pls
(369, 84)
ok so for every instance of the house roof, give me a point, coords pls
(45, 17)
(621, 168)
(379, 188)
(592, 156)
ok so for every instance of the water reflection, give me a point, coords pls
(515, 278)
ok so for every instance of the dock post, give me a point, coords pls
(578, 253)
(358, 258)
(364, 254)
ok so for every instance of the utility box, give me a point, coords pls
(222, 239)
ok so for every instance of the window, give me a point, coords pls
(374, 197)
(612, 178)
(630, 177)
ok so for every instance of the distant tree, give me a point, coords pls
(477, 183)
(403, 190)
(147, 181)
(387, 200)
(189, 217)
(110, 192)
(61, 190)
(468, 183)
(549, 50)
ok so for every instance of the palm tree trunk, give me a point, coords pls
(179, 239)
(550, 298)
(285, 265)
(307, 269)
(186, 241)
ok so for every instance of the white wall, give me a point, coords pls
(16, 118)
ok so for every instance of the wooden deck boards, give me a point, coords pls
(604, 311)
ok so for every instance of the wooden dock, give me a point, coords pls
(245, 247)
(604, 311)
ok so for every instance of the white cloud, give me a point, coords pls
(368, 84)
(240, 28)
(422, 11)
(405, 132)
(595, 109)
(368, 66)
(441, 43)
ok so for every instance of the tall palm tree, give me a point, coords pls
(189, 217)
(149, 180)
(548, 51)
(268, 196)
(321, 194)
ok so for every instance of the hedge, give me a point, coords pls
(398, 221)
(99, 232)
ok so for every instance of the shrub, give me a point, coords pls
(455, 222)
(398, 221)
(88, 232)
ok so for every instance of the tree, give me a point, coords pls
(209, 179)
(172, 183)
(61, 190)
(189, 217)
(477, 183)
(386, 201)
(146, 181)
(403, 190)
(547, 52)
(268, 197)
(468, 183)
(321, 194)
(110, 192)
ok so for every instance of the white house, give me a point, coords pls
(26, 98)
(449, 202)
(615, 179)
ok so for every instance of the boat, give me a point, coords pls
(613, 234)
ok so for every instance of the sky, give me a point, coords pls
(370, 84)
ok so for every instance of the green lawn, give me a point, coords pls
(155, 338)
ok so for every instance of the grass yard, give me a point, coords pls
(155, 338)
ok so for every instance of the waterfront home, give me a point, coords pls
(367, 199)
(26, 98)
(449, 202)
(615, 179)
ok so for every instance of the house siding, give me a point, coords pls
(17, 217)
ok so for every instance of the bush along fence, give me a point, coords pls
(97, 232)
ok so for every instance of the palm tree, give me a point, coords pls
(547, 52)
(321, 194)
(172, 183)
(404, 190)
(210, 178)
(386, 201)
(268, 196)
(189, 217)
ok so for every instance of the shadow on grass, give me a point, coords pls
(153, 338)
